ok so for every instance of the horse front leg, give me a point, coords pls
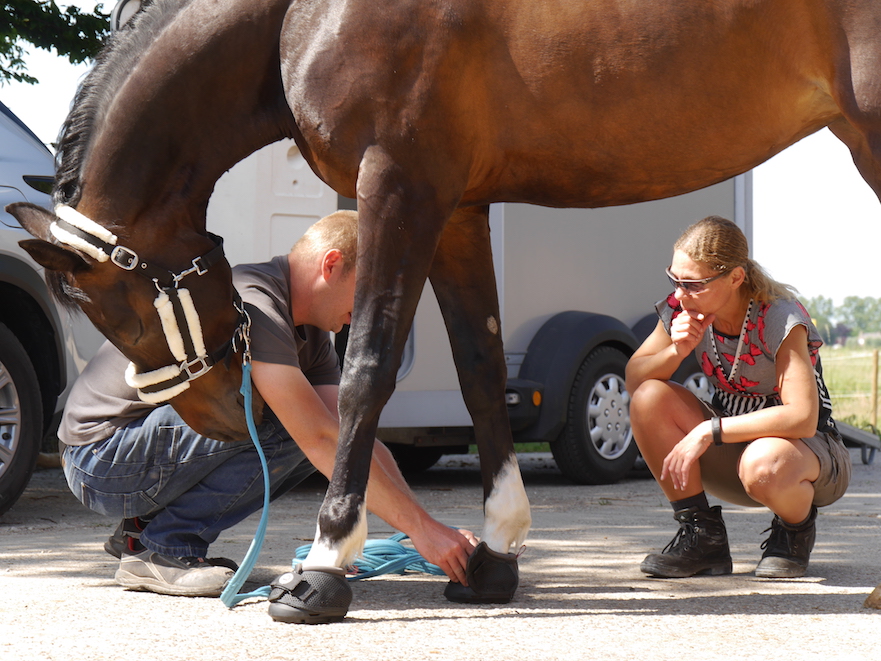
(398, 228)
(463, 279)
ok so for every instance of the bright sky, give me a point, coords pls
(817, 225)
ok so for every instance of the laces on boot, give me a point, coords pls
(685, 538)
(779, 542)
(787, 541)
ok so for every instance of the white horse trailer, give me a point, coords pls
(576, 290)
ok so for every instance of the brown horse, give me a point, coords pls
(427, 112)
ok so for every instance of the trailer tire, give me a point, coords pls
(596, 445)
(692, 377)
(21, 419)
(412, 459)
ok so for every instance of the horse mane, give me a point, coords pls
(112, 66)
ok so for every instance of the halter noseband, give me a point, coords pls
(177, 313)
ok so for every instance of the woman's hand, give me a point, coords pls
(686, 330)
(678, 464)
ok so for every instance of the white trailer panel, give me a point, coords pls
(547, 261)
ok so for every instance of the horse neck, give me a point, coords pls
(190, 108)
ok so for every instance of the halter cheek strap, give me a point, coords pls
(174, 304)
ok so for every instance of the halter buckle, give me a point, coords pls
(243, 331)
(196, 368)
(197, 268)
(124, 258)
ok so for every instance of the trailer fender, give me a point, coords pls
(554, 356)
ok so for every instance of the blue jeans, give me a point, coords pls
(189, 486)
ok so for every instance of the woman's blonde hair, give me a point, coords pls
(719, 243)
(337, 231)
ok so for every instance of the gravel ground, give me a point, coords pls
(581, 594)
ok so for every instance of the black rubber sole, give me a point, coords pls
(310, 597)
(291, 615)
(663, 571)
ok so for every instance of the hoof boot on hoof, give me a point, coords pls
(310, 596)
(492, 578)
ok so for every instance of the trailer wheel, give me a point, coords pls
(692, 377)
(412, 459)
(21, 419)
(596, 445)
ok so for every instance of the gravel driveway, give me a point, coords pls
(581, 593)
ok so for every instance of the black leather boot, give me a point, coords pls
(788, 548)
(699, 547)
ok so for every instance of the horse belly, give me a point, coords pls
(560, 103)
(618, 108)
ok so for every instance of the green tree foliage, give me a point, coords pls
(822, 311)
(71, 32)
(861, 313)
(856, 315)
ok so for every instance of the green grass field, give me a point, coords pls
(849, 377)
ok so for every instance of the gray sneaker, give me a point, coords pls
(184, 577)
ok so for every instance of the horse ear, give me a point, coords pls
(52, 257)
(34, 219)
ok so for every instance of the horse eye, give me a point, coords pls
(113, 314)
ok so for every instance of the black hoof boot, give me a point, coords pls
(492, 578)
(310, 596)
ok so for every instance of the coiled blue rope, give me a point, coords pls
(380, 556)
(383, 556)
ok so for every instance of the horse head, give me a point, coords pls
(164, 297)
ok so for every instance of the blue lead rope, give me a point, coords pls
(380, 556)
(230, 596)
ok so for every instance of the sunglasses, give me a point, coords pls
(691, 286)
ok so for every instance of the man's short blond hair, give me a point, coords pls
(337, 231)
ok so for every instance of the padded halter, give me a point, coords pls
(177, 313)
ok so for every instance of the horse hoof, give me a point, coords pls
(310, 597)
(492, 578)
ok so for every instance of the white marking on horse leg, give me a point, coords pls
(492, 325)
(507, 510)
(343, 554)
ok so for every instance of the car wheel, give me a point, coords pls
(21, 418)
(597, 446)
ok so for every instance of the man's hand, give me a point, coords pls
(447, 548)
(309, 415)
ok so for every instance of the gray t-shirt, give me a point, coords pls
(102, 402)
(753, 384)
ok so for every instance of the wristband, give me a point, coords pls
(716, 426)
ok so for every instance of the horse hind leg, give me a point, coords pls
(858, 95)
(463, 280)
(865, 147)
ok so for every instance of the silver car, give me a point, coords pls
(43, 347)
